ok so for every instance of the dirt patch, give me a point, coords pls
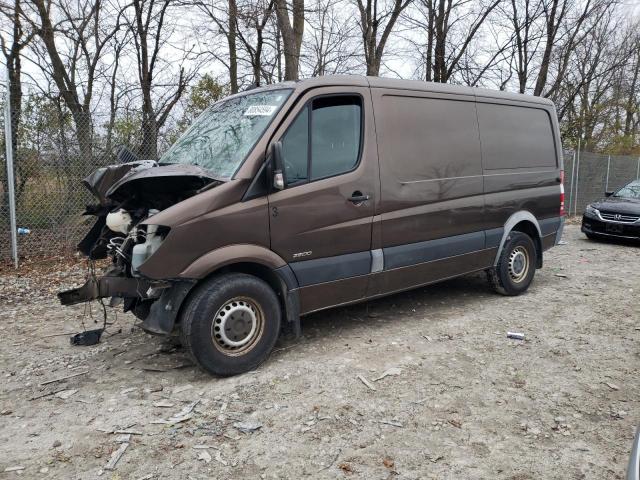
(460, 399)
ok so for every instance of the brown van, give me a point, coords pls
(301, 196)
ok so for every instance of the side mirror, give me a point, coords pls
(278, 171)
(608, 194)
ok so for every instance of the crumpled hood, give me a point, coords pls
(143, 178)
(103, 178)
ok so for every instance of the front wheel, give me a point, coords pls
(516, 266)
(231, 323)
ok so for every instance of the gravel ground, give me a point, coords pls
(460, 399)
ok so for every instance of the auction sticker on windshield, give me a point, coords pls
(261, 110)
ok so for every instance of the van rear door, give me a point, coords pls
(321, 221)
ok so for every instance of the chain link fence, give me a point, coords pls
(588, 175)
(54, 150)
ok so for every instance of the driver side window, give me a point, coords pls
(324, 140)
(295, 149)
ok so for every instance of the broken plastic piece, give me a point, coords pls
(87, 338)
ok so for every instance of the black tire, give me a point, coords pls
(509, 276)
(592, 236)
(244, 301)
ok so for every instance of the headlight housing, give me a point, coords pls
(591, 211)
(153, 238)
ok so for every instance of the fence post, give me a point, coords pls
(10, 178)
(638, 170)
(606, 185)
(575, 203)
(573, 171)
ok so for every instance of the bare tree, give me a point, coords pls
(12, 48)
(255, 17)
(149, 29)
(331, 46)
(376, 25)
(224, 16)
(86, 27)
(450, 28)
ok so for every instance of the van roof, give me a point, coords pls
(395, 83)
(418, 85)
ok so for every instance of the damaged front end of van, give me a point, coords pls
(163, 224)
(129, 196)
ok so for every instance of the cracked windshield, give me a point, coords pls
(220, 138)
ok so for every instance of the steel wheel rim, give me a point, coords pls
(237, 326)
(519, 264)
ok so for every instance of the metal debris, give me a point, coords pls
(515, 335)
(17, 468)
(204, 456)
(123, 438)
(182, 388)
(64, 394)
(392, 372)
(64, 378)
(220, 459)
(182, 416)
(367, 383)
(391, 422)
(248, 426)
(116, 456)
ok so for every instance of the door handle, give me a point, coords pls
(358, 197)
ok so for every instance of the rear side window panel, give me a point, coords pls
(515, 137)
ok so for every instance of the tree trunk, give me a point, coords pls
(630, 109)
(65, 85)
(291, 35)
(233, 51)
(257, 60)
(440, 62)
(429, 59)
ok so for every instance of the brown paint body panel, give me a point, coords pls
(214, 219)
(421, 165)
(430, 166)
(239, 253)
(316, 219)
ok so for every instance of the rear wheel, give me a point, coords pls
(231, 323)
(516, 266)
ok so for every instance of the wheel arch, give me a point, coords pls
(252, 260)
(525, 222)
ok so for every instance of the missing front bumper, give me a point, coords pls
(104, 287)
(167, 297)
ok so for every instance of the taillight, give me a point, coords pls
(562, 212)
